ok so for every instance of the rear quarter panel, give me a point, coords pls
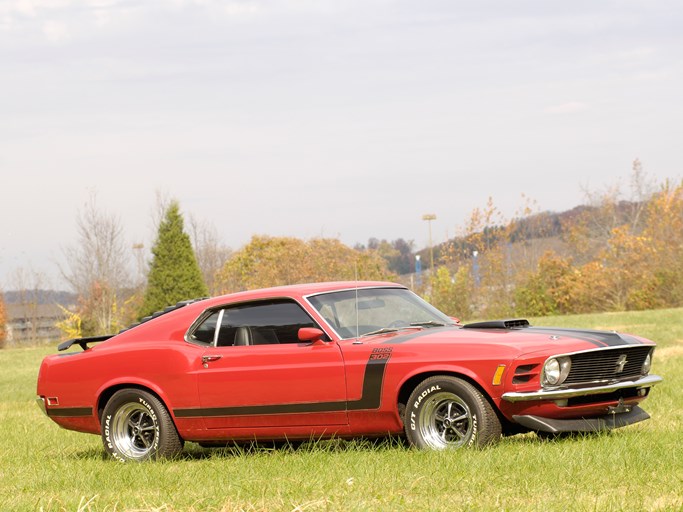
(77, 381)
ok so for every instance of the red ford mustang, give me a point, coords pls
(338, 359)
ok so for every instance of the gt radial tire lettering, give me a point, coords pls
(417, 402)
(153, 415)
(107, 423)
(424, 394)
(474, 430)
(107, 429)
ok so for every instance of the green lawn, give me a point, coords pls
(640, 467)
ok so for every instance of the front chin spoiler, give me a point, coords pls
(596, 424)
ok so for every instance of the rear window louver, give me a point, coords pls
(512, 323)
(163, 312)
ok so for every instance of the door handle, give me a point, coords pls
(210, 359)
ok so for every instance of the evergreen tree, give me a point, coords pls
(174, 274)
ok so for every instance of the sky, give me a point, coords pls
(324, 118)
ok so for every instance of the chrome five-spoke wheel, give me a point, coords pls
(133, 430)
(446, 421)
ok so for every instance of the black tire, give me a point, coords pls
(136, 426)
(446, 412)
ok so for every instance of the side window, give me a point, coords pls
(206, 331)
(259, 323)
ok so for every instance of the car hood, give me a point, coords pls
(522, 340)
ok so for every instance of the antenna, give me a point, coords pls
(355, 270)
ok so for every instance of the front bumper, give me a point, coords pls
(562, 394)
(595, 424)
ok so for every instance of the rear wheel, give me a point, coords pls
(447, 412)
(136, 426)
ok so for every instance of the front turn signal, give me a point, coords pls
(498, 376)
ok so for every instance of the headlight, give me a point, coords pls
(555, 371)
(647, 364)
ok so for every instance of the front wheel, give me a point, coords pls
(448, 412)
(136, 426)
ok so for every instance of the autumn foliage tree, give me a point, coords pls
(397, 253)
(174, 274)
(485, 261)
(616, 254)
(274, 261)
(542, 292)
(451, 292)
(636, 264)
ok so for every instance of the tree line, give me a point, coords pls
(619, 253)
(615, 253)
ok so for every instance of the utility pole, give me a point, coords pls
(429, 217)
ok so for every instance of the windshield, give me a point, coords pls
(379, 310)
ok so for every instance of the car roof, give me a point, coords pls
(297, 291)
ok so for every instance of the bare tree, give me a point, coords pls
(97, 267)
(612, 208)
(608, 210)
(211, 254)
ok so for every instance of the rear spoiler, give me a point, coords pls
(83, 342)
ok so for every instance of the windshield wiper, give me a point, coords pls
(385, 330)
(429, 323)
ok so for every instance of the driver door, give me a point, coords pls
(256, 373)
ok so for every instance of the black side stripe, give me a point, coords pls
(370, 398)
(425, 332)
(372, 384)
(69, 412)
(597, 338)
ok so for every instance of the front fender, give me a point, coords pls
(476, 376)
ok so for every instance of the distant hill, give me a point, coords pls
(540, 226)
(40, 297)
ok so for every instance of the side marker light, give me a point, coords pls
(498, 376)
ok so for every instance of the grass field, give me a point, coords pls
(640, 467)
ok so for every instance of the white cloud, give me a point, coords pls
(234, 9)
(566, 108)
(55, 31)
(25, 7)
(57, 20)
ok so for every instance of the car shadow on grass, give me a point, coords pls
(560, 437)
(194, 451)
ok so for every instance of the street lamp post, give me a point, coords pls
(429, 217)
(418, 270)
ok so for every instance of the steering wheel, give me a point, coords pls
(398, 323)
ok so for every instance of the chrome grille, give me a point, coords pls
(604, 365)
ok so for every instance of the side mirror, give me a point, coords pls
(311, 334)
(455, 319)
